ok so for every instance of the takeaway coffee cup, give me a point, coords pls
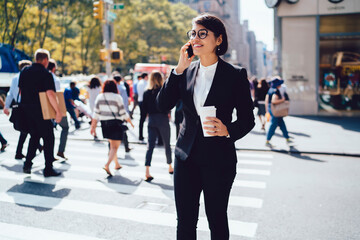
(208, 111)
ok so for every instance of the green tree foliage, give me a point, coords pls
(146, 30)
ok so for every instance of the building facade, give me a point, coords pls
(318, 46)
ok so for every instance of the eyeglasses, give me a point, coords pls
(202, 33)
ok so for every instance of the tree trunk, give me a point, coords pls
(6, 21)
(43, 38)
(19, 16)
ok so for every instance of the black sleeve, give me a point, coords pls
(145, 103)
(48, 82)
(127, 88)
(170, 92)
(244, 108)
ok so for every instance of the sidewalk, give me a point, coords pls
(310, 134)
(319, 135)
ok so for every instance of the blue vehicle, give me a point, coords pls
(9, 58)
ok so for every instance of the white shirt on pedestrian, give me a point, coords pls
(141, 87)
(56, 82)
(93, 93)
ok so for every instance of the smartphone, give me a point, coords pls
(190, 51)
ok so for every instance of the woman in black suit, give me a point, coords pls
(206, 164)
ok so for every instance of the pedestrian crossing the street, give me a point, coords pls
(84, 191)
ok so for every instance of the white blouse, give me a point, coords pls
(203, 82)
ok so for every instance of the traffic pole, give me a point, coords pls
(107, 40)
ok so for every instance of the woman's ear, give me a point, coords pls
(219, 40)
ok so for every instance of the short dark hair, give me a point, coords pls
(94, 82)
(110, 86)
(41, 54)
(215, 25)
(24, 63)
(144, 75)
(118, 78)
(72, 83)
(51, 65)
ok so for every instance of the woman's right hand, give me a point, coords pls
(184, 61)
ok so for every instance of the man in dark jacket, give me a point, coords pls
(33, 80)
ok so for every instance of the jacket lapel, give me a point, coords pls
(191, 77)
(216, 84)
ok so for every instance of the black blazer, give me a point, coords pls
(230, 89)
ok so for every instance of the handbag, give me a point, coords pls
(281, 109)
(18, 117)
(114, 123)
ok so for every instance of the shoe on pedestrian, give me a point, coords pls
(77, 127)
(149, 179)
(128, 149)
(19, 156)
(268, 144)
(51, 173)
(288, 141)
(61, 154)
(27, 170)
(107, 171)
(4, 146)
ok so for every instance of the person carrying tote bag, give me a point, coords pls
(109, 110)
(278, 106)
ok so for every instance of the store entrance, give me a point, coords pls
(339, 87)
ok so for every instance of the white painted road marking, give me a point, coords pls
(239, 228)
(18, 232)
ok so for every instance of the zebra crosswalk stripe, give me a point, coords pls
(239, 201)
(18, 232)
(239, 228)
(132, 173)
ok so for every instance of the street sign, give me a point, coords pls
(118, 6)
(111, 16)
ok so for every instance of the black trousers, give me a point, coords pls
(142, 120)
(21, 141)
(39, 129)
(215, 180)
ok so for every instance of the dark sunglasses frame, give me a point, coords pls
(189, 33)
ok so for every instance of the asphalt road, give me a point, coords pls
(275, 196)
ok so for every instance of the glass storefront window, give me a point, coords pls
(339, 86)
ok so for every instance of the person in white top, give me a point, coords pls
(52, 66)
(141, 87)
(13, 95)
(94, 90)
(206, 164)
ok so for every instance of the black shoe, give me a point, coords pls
(149, 179)
(128, 149)
(4, 146)
(27, 170)
(51, 173)
(19, 156)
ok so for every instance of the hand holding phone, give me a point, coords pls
(190, 51)
(186, 56)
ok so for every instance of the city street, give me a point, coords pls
(274, 196)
